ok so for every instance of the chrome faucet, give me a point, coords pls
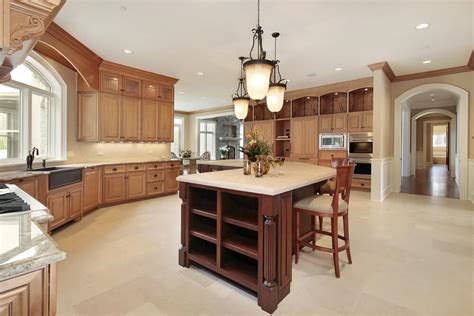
(31, 157)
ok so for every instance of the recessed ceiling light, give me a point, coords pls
(366, 89)
(311, 75)
(127, 51)
(337, 69)
(200, 73)
(287, 80)
(422, 26)
(426, 62)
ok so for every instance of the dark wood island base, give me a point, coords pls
(242, 236)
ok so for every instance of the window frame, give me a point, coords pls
(206, 121)
(181, 133)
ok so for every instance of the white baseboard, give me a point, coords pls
(382, 174)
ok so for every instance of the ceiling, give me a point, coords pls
(433, 99)
(181, 38)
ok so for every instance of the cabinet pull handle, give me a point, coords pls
(114, 169)
(155, 166)
(136, 167)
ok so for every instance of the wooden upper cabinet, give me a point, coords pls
(149, 120)
(333, 103)
(110, 106)
(87, 116)
(266, 131)
(297, 137)
(131, 119)
(285, 110)
(166, 93)
(111, 82)
(150, 90)
(339, 124)
(165, 121)
(368, 118)
(131, 87)
(361, 100)
(304, 134)
(354, 122)
(262, 113)
(325, 123)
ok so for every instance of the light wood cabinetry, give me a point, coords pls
(360, 121)
(325, 156)
(333, 123)
(304, 134)
(30, 186)
(265, 130)
(131, 87)
(156, 91)
(114, 187)
(131, 119)
(171, 184)
(110, 82)
(65, 204)
(165, 122)
(87, 116)
(92, 179)
(149, 120)
(110, 116)
(136, 184)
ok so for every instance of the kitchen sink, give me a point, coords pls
(61, 176)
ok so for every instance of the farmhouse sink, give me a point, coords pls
(61, 176)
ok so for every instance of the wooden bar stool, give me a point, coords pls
(334, 206)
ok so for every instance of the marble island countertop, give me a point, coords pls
(295, 175)
(24, 246)
(238, 163)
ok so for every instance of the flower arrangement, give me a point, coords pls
(185, 153)
(223, 150)
(255, 146)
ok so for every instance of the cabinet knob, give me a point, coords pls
(114, 169)
(156, 188)
(155, 175)
(136, 167)
(155, 166)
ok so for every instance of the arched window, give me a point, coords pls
(33, 112)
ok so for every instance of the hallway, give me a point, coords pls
(433, 181)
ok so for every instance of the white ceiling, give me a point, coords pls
(432, 99)
(180, 38)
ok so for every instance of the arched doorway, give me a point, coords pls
(403, 157)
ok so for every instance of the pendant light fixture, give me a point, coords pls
(240, 98)
(258, 70)
(276, 92)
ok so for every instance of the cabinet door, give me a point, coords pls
(339, 124)
(165, 121)
(248, 126)
(265, 131)
(311, 137)
(76, 205)
(150, 90)
(92, 188)
(110, 82)
(297, 137)
(110, 117)
(166, 93)
(131, 87)
(58, 206)
(368, 121)
(131, 119)
(136, 184)
(325, 123)
(149, 120)
(114, 188)
(87, 116)
(354, 122)
(171, 184)
(30, 186)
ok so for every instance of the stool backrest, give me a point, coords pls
(335, 162)
(206, 155)
(343, 185)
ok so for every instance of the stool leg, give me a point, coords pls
(321, 223)
(297, 250)
(313, 228)
(335, 246)
(345, 219)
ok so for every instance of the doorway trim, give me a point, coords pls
(462, 143)
(452, 140)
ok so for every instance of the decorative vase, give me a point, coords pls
(265, 163)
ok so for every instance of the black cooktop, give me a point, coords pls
(10, 202)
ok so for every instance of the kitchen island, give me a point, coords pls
(240, 227)
(219, 165)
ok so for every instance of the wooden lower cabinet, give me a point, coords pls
(33, 293)
(171, 184)
(65, 204)
(154, 188)
(92, 179)
(136, 184)
(114, 187)
(325, 156)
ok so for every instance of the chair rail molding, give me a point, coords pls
(382, 174)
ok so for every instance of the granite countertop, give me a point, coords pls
(24, 246)
(223, 162)
(23, 174)
(295, 175)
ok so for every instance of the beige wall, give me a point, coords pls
(463, 80)
(383, 116)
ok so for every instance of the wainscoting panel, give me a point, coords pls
(382, 177)
(419, 160)
(470, 186)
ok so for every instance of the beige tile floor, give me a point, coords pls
(412, 255)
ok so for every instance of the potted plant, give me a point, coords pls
(257, 149)
(185, 153)
(223, 151)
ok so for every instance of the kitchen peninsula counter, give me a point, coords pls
(240, 227)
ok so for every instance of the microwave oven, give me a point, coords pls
(332, 141)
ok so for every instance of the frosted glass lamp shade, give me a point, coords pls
(257, 77)
(241, 107)
(275, 97)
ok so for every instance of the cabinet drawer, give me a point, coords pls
(170, 165)
(136, 167)
(114, 169)
(155, 188)
(329, 154)
(155, 165)
(361, 183)
(158, 175)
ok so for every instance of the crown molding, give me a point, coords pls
(385, 67)
(138, 73)
(470, 63)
